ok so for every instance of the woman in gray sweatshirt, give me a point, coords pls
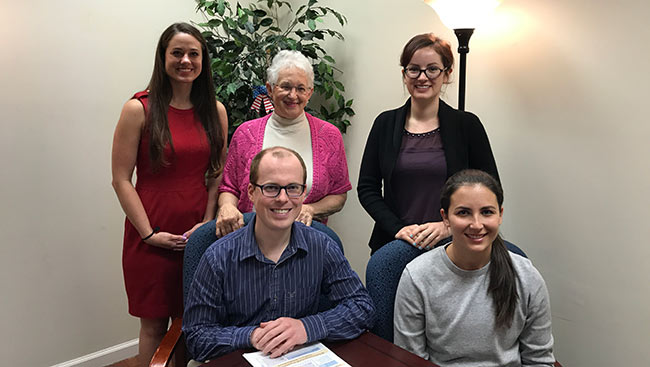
(472, 302)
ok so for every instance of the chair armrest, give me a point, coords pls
(167, 346)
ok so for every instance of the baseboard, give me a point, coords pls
(104, 357)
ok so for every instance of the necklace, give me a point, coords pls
(421, 135)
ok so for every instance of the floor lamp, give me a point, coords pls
(462, 16)
(463, 35)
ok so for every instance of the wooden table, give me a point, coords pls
(368, 350)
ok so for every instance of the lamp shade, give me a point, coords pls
(457, 14)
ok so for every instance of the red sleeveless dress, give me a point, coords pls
(174, 199)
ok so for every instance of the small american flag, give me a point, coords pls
(261, 97)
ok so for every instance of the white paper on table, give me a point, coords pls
(311, 355)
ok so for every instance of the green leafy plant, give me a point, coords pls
(243, 40)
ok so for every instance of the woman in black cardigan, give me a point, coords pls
(412, 150)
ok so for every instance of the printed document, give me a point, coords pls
(312, 355)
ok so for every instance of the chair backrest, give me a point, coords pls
(383, 273)
(198, 242)
(205, 236)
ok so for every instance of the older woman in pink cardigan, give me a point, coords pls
(290, 85)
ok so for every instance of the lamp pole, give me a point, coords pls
(463, 35)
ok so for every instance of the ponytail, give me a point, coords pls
(503, 284)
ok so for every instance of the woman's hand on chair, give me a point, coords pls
(407, 233)
(229, 219)
(196, 226)
(423, 236)
(306, 214)
(430, 233)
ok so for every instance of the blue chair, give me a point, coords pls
(383, 273)
(202, 238)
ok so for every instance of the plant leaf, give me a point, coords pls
(232, 87)
(330, 93)
(221, 7)
(311, 14)
(340, 17)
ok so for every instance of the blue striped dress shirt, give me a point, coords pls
(235, 288)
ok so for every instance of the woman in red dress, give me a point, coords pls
(174, 133)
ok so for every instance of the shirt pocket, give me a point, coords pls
(301, 302)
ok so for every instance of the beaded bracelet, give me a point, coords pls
(155, 230)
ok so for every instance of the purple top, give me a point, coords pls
(419, 174)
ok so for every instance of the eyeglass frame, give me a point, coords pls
(420, 71)
(290, 88)
(285, 187)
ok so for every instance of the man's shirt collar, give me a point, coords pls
(250, 248)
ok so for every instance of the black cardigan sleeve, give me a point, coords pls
(372, 174)
(479, 150)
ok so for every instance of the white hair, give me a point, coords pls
(286, 59)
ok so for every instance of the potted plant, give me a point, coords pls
(242, 41)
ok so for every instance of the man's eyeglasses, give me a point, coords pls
(287, 88)
(293, 190)
(431, 72)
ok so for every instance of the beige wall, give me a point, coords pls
(560, 87)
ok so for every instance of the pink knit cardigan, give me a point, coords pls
(330, 175)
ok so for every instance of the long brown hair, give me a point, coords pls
(202, 96)
(503, 277)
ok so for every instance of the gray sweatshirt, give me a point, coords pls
(444, 314)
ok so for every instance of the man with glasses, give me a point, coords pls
(260, 286)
